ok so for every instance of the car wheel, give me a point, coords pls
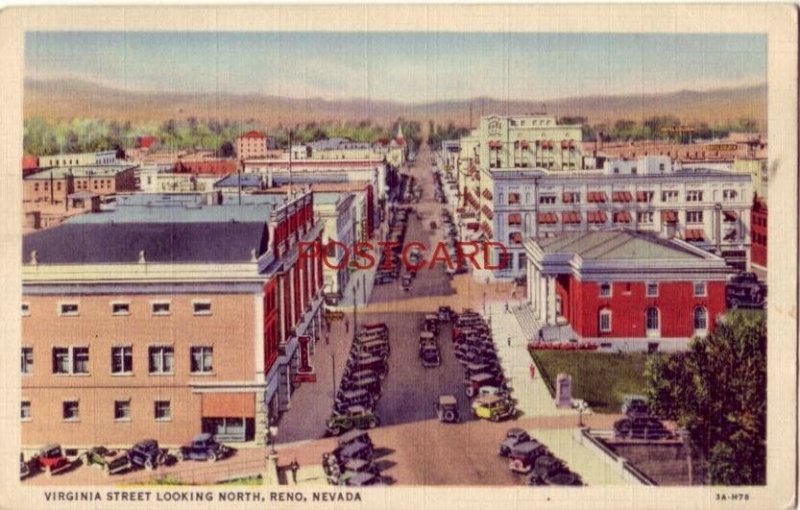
(734, 304)
(335, 430)
(212, 457)
(495, 418)
(504, 451)
(182, 455)
(148, 464)
(449, 416)
(373, 424)
(470, 391)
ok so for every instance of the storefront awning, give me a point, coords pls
(669, 216)
(546, 218)
(621, 196)
(694, 234)
(730, 215)
(622, 217)
(596, 196)
(597, 217)
(570, 217)
(229, 405)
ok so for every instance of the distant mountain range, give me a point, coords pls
(64, 99)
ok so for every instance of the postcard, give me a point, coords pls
(397, 256)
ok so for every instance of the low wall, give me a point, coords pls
(620, 464)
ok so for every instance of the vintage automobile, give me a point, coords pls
(426, 337)
(51, 460)
(445, 313)
(384, 276)
(493, 408)
(431, 323)
(560, 478)
(429, 353)
(473, 383)
(378, 348)
(334, 463)
(513, 437)
(406, 282)
(375, 327)
(524, 455)
(371, 336)
(354, 417)
(493, 368)
(28, 467)
(374, 363)
(345, 399)
(355, 436)
(353, 479)
(641, 427)
(204, 447)
(745, 290)
(362, 466)
(447, 409)
(110, 461)
(148, 455)
(371, 385)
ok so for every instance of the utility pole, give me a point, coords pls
(291, 190)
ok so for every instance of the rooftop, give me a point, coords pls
(616, 244)
(246, 180)
(80, 171)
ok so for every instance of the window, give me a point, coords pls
(694, 216)
(122, 360)
(26, 309)
(729, 194)
(651, 319)
(616, 169)
(513, 198)
(700, 320)
(694, 196)
(634, 171)
(202, 307)
(514, 220)
(68, 309)
(35, 186)
(652, 289)
(202, 360)
(122, 410)
(605, 289)
(162, 360)
(27, 360)
(25, 410)
(547, 199)
(699, 289)
(80, 360)
(70, 410)
(161, 308)
(120, 308)
(604, 321)
(163, 410)
(669, 196)
(644, 217)
(61, 360)
(661, 167)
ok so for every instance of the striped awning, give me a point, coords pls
(571, 218)
(495, 144)
(694, 234)
(515, 219)
(567, 198)
(669, 216)
(621, 196)
(597, 217)
(487, 212)
(622, 217)
(546, 218)
(596, 196)
(515, 237)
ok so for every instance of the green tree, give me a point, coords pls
(717, 390)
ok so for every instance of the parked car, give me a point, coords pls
(374, 363)
(641, 427)
(375, 327)
(546, 466)
(523, 456)
(51, 459)
(745, 290)
(384, 276)
(351, 479)
(432, 323)
(371, 385)
(445, 313)
(378, 348)
(493, 408)
(147, 454)
(346, 399)
(355, 436)
(354, 417)
(204, 447)
(447, 409)
(562, 478)
(406, 282)
(513, 437)
(110, 461)
(426, 337)
(634, 405)
(429, 353)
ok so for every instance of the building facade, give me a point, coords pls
(758, 220)
(54, 185)
(252, 144)
(338, 213)
(708, 208)
(624, 289)
(79, 159)
(186, 318)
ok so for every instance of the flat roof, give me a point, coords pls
(61, 172)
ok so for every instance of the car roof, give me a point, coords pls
(362, 477)
(526, 447)
(356, 463)
(488, 399)
(356, 409)
(482, 376)
(205, 436)
(431, 316)
(447, 400)
(426, 334)
(515, 431)
(353, 393)
(352, 434)
(51, 446)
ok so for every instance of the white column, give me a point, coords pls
(551, 299)
(543, 298)
(258, 330)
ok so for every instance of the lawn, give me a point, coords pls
(598, 378)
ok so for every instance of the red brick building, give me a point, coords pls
(625, 289)
(206, 166)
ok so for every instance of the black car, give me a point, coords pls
(147, 454)
(641, 427)
(745, 290)
(204, 447)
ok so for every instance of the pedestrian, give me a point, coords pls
(533, 370)
(327, 338)
(294, 467)
(509, 340)
(346, 325)
(514, 294)
(541, 336)
(507, 310)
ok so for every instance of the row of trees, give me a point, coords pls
(437, 133)
(717, 391)
(43, 137)
(658, 128)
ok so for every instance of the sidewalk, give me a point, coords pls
(533, 398)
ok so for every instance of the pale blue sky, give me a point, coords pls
(408, 67)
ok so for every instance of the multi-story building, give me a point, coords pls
(54, 185)
(338, 213)
(708, 208)
(758, 222)
(171, 315)
(624, 289)
(79, 159)
(252, 144)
